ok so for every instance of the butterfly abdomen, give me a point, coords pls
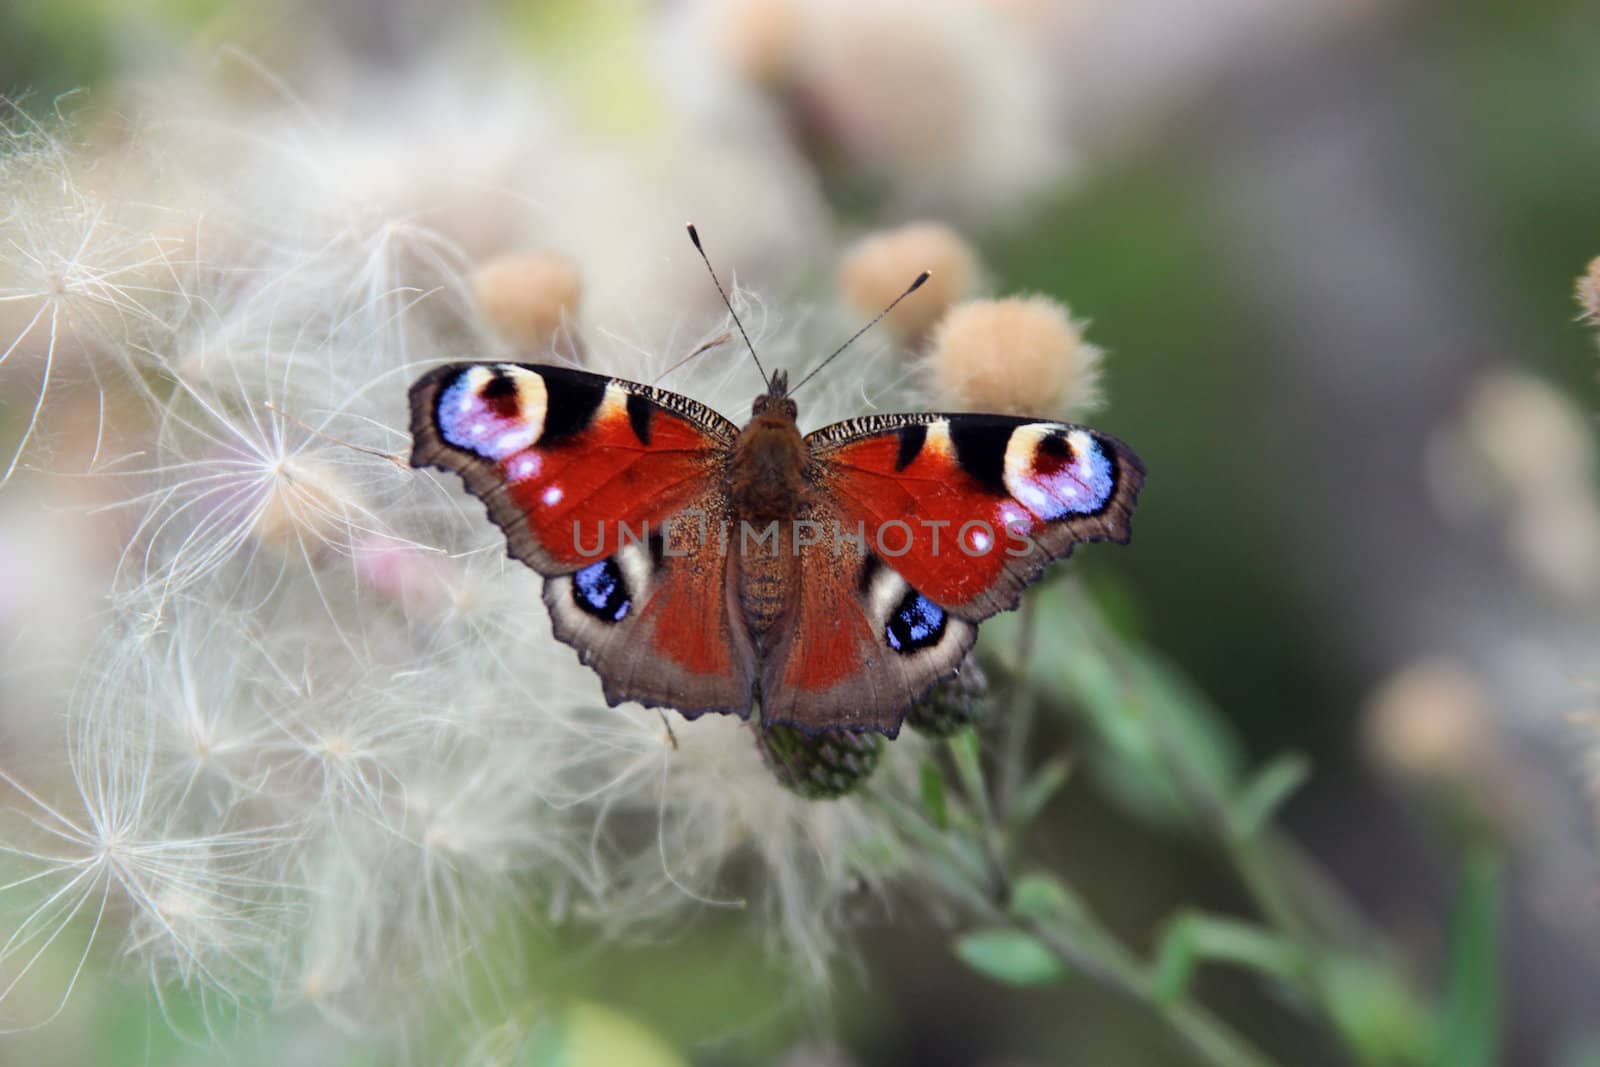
(765, 574)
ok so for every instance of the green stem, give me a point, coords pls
(1022, 707)
(976, 876)
(1101, 954)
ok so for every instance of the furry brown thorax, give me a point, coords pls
(769, 458)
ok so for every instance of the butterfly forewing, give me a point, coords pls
(988, 500)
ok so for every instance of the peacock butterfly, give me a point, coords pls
(829, 580)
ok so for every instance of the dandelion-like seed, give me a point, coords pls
(242, 482)
(197, 904)
(79, 281)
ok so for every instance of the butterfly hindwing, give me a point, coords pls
(659, 629)
(585, 475)
(971, 508)
(862, 645)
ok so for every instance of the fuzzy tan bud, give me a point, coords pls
(881, 265)
(1427, 723)
(758, 38)
(1431, 726)
(529, 298)
(1511, 416)
(1019, 356)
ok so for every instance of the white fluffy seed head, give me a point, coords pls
(1586, 291)
(87, 289)
(337, 744)
(193, 899)
(1018, 356)
(948, 100)
(305, 501)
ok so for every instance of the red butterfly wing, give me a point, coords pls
(971, 508)
(925, 525)
(861, 646)
(561, 457)
(585, 475)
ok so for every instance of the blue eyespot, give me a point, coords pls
(600, 590)
(915, 623)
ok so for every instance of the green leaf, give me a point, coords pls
(1154, 741)
(933, 795)
(1470, 1022)
(964, 750)
(1010, 956)
(1254, 806)
(1037, 791)
(1376, 1012)
(1040, 897)
(1192, 939)
(587, 1033)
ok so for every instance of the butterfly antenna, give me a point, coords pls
(694, 235)
(913, 287)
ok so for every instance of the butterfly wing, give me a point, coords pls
(585, 475)
(862, 645)
(971, 508)
(929, 524)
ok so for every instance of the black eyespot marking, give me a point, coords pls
(639, 412)
(916, 623)
(599, 589)
(912, 439)
(570, 403)
(500, 394)
(981, 449)
(1055, 447)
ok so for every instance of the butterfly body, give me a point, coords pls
(769, 462)
(827, 579)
